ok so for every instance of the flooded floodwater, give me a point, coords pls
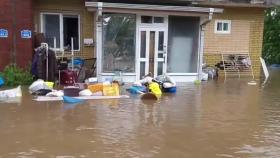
(216, 119)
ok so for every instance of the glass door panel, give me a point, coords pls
(143, 45)
(142, 69)
(160, 68)
(161, 53)
(152, 52)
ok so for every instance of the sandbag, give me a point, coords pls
(55, 93)
(38, 85)
(85, 92)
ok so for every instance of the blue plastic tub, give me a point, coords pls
(1, 81)
(137, 89)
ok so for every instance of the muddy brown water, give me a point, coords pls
(216, 119)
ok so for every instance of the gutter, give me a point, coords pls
(201, 42)
(149, 7)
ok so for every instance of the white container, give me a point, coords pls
(204, 76)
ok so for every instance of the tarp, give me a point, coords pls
(1, 81)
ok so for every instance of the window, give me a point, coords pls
(183, 35)
(61, 27)
(158, 19)
(222, 26)
(119, 35)
(151, 19)
(147, 19)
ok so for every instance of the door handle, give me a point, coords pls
(164, 49)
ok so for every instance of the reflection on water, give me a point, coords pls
(16, 100)
(216, 119)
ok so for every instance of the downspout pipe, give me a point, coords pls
(210, 17)
(99, 41)
(201, 46)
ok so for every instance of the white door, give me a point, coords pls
(152, 51)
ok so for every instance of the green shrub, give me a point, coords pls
(271, 47)
(15, 76)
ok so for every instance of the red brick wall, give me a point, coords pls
(21, 51)
(5, 23)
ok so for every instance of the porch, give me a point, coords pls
(135, 39)
(138, 39)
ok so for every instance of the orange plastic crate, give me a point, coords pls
(98, 87)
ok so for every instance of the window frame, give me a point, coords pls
(222, 31)
(153, 20)
(104, 73)
(61, 28)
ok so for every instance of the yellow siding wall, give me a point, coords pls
(69, 6)
(246, 35)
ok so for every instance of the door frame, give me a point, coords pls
(131, 77)
(151, 27)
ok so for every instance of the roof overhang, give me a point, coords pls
(147, 8)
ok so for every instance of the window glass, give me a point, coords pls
(183, 44)
(143, 44)
(118, 42)
(146, 19)
(142, 69)
(225, 28)
(51, 28)
(158, 20)
(219, 26)
(160, 55)
(70, 30)
(160, 68)
(160, 40)
(152, 51)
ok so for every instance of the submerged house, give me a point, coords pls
(136, 37)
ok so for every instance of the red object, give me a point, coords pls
(68, 77)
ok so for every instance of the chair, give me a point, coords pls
(88, 69)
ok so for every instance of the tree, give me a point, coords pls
(271, 46)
